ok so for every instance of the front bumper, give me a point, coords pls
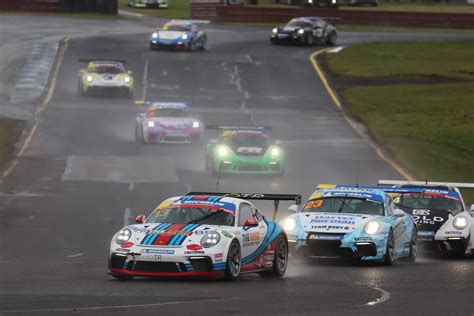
(287, 38)
(108, 89)
(181, 45)
(248, 167)
(166, 138)
(130, 265)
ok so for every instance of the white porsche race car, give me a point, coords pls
(202, 234)
(444, 223)
(167, 122)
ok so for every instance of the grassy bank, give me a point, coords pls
(427, 127)
(177, 9)
(451, 59)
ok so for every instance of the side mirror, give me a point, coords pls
(293, 208)
(251, 222)
(398, 212)
(472, 210)
(140, 219)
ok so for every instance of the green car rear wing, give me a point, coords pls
(276, 198)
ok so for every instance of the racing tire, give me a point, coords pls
(332, 38)
(309, 39)
(122, 277)
(139, 135)
(280, 260)
(274, 41)
(389, 251)
(413, 247)
(234, 263)
(203, 44)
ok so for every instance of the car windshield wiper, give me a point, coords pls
(343, 203)
(194, 221)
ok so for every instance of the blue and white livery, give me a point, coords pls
(352, 223)
(180, 35)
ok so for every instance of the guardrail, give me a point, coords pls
(222, 13)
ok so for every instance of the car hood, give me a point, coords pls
(332, 222)
(171, 235)
(170, 35)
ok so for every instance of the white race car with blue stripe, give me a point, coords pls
(352, 223)
(201, 234)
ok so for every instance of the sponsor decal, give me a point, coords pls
(314, 204)
(226, 234)
(328, 227)
(399, 229)
(453, 233)
(122, 250)
(331, 219)
(200, 232)
(425, 233)
(218, 255)
(171, 232)
(250, 239)
(363, 239)
(325, 237)
(194, 252)
(249, 150)
(138, 229)
(158, 251)
(217, 260)
(424, 217)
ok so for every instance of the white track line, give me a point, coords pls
(126, 216)
(75, 255)
(145, 80)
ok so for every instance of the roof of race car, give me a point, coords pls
(369, 193)
(229, 133)
(423, 190)
(217, 202)
(167, 105)
(309, 19)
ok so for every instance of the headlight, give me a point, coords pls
(460, 222)
(275, 152)
(196, 124)
(154, 35)
(123, 236)
(185, 36)
(289, 224)
(275, 30)
(126, 79)
(222, 151)
(151, 124)
(372, 227)
(89, 78)
(301, 31)
(210, 239)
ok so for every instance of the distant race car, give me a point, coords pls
(202, 234)
(352, 223)
(167, 122)
(305, 30)
(444, 223)
(161, 4)
(105, 76)
(181, 35)
(240, 150)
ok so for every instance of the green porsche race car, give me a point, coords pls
(244, 151)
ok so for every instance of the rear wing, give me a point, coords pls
(235, 128)
(159, 103)
(88, 60)
(276, 198)
(427, 183)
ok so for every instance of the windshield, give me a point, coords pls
(344, 205)
(248, 140)
(167, 113)
(106, 70)
(298, 23)
(197, 215)
(428, 201)
(176, 27)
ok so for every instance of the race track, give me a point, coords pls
(59, 213)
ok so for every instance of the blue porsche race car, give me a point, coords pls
(179, 35)
(352, 223)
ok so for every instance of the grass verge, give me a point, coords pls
(177, 9)
(427, 127)
(10, 131)
(449, 59)
(416, 7)
(85, 15)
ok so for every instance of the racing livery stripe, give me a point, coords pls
(156, 235)
(178, 239)
(164, 239)
(272, 233)
(150, 235)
